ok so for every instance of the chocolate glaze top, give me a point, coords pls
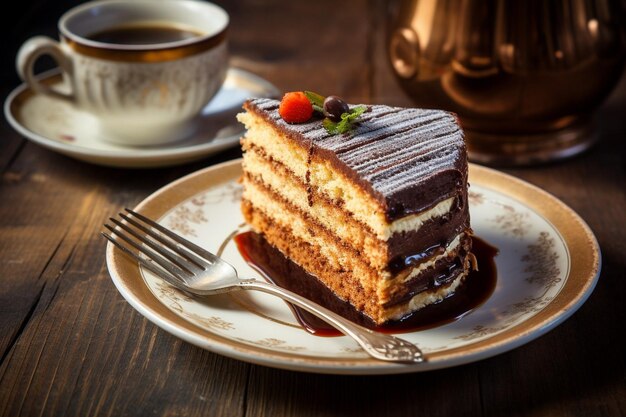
(408, 159)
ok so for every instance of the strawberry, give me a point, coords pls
(295, 107)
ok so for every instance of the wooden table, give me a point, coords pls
(70, 344)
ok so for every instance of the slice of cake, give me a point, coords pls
(379, 214)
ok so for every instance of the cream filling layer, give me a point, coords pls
(258, 166)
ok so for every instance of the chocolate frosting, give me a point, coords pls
(408, 159)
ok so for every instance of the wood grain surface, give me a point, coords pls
(70, 345)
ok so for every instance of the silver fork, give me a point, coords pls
(191, 268)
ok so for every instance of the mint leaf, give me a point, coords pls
(330, 126)
(317, 101)
(346, 123)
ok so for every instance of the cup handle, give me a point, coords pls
(28, 54)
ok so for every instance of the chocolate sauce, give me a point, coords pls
(400, 263)
(276, 268)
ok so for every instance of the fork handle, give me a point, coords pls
(378, 345)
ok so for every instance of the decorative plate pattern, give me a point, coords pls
(539, 283)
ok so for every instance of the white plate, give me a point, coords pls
(548, 264)
(59, 126)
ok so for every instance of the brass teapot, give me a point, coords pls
(524, 77)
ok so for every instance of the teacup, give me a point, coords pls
(144, 68)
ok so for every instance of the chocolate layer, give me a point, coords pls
(443, 273)
(407, 159)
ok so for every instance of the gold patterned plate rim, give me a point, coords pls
(58, 126)
(579, 280)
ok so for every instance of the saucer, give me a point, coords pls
(61, 127)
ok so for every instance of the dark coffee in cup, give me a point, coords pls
(144, 34)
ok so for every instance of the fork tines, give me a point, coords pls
(157, 248)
